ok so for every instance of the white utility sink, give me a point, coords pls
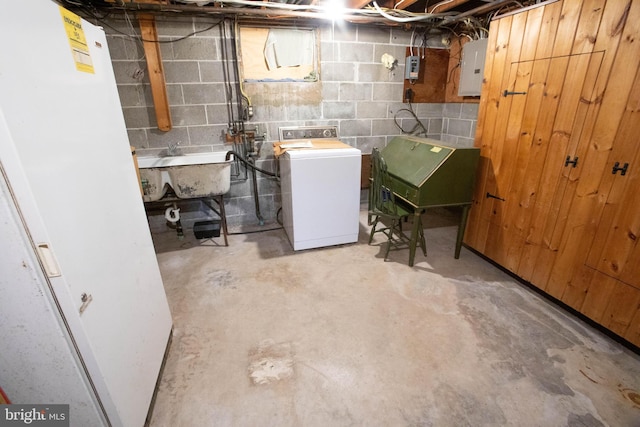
(190, 176)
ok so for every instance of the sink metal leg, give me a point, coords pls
(223, 219)
(219, 199)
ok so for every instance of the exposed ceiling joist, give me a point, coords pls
(357, 4)
(446, 5)
(403, 4)
(407, 13)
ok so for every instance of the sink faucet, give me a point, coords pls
(172, 149)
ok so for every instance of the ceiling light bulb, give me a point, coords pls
(335, 9)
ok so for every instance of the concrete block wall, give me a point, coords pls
(357, 94)
(459, 124)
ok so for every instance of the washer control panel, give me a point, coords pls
(308, 132)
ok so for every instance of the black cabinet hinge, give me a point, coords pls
(623, 169)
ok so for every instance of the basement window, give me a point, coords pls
(279, 54)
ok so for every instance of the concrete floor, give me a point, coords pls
(265, 336)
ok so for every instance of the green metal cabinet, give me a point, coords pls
(425, 174)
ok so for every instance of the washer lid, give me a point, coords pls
(310, 145)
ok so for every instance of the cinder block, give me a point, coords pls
(138, 117)
(469, 111)
(207, 135)
(131, 95)
(160, 139)
(211, 71)
(339, 110)
(374, 35)
(387, 91)
(384, 127)
(355, 91)
(181, 72)
(378, 73)
(370, 109)
(459, 127)
(429, 110)
(195, 48)
(330, 91)
(204, 93)
(452, 110)
(350, 128)
(338, 71)
(356, 52)
(188, 115)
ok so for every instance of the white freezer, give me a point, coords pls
(69, 174)
(321, 196)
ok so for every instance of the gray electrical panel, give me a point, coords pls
(472, 67)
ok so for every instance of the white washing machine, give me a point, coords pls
(320, 183)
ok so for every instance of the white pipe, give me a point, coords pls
(439, 4)
(396, 19)
(172, 215)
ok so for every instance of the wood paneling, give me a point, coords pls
(569, 230)
(432, 77)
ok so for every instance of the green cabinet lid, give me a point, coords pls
(428, 173)
(414, 159)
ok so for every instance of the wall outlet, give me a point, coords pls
(412, 67)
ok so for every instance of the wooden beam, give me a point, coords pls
(402, 4)
(389, 4)
(357, 4)
(141, 1)
(443, 7)
(155, 70)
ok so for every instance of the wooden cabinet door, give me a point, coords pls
(599, 197)
(615, 250)
(562, 167)
(547, 206)
(525, 197)
(612, 296)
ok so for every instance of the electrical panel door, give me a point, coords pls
(472, 67)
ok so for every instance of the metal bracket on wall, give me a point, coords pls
(623, 169)
(489, 195)
(573, 163)
(507, 93)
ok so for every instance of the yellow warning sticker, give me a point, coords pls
(436, 149)
(77, 41)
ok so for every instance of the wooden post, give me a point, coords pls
(156, 72)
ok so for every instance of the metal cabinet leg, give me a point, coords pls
(414, 237)
(461, 228)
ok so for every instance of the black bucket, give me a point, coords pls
(207, 229)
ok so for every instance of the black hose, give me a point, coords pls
(415, 127)
(248, 163)
(254, 179)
